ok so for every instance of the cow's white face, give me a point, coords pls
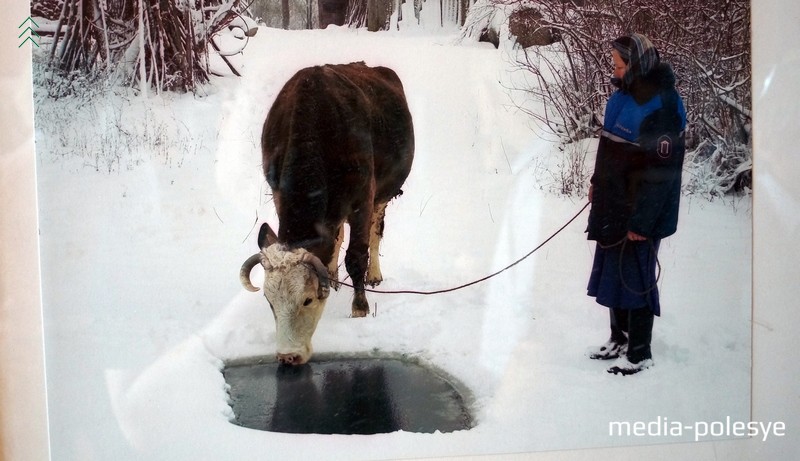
(297, 298)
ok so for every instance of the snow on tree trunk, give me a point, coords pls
(83, 36)
(168, 39)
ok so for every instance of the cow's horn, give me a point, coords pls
(244, 272)
(322, 274)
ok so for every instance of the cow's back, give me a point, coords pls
(392, 130)
(330, 131)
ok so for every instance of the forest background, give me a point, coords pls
(165, 45)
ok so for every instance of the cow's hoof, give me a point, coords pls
(360, 307)
(373, 282)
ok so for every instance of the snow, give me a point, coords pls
(148, 207)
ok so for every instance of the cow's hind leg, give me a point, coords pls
(374, 276)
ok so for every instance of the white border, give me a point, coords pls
(776, 373)
(23, 413)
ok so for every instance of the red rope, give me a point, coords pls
(482, 279)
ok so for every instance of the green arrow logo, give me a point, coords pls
(26, 31)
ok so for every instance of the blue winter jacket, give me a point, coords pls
(637, 175)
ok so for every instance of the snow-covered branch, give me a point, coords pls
(161, 44)
(706, 42)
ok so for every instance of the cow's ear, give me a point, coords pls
(266, 236)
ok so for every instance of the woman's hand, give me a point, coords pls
(636, 237)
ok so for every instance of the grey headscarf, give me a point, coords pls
(639, 53)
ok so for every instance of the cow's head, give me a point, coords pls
(296, 286)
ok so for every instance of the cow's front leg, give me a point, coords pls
(333, 266)
(374, 275)
(355, 260)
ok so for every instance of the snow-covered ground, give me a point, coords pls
(149, 207)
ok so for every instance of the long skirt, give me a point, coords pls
(624, 276)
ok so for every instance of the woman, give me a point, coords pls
(635, 193)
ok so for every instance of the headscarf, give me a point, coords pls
(639, 53)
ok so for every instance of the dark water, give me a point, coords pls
(345, 396)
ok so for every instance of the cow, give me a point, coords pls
(337, 146)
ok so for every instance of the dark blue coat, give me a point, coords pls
(637, 175)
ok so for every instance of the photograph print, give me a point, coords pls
(372, 229)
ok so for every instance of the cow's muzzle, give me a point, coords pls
(291, 359)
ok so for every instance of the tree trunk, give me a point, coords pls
(155, 40)
(462, 13)
(141, 59)
(285, 12)
(378, 14)
(83, 37)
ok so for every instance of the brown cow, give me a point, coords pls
(337, 145)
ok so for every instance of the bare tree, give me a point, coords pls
(376, 14)
(357, 13)
(707, 42)
(161, 44)
(85, 35)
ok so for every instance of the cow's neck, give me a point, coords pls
(316, 238)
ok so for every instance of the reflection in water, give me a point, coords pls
(366, 396)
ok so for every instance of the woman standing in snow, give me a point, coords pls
(635, 194)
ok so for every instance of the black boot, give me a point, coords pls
(616, 344)
(640, 333)
(619, 322)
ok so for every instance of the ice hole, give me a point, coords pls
(345, 396)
